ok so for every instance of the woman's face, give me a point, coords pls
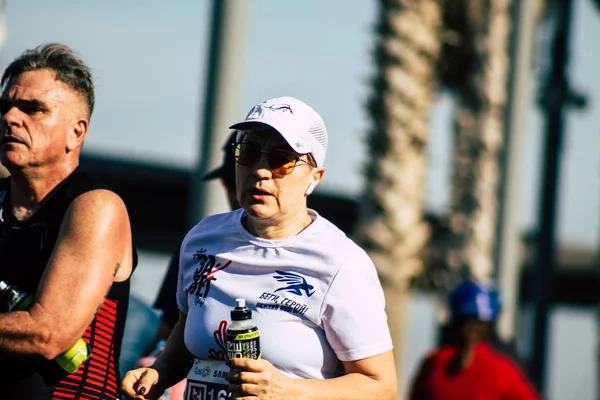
(269, 197)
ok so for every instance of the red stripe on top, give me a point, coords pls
(109, 322)
(67, 382)
(101, 352)
(61, 395)
(102, 335)
(110, 305)
(97, 379)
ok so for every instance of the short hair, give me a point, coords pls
(67, 65)
(311, 160)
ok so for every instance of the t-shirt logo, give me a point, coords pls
(295, 283)
(204, 274)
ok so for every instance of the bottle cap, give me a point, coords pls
(240, 312)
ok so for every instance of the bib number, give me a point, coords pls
(206, 381)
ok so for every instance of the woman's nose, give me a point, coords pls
(261, 167)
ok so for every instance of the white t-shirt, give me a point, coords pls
(315, 297)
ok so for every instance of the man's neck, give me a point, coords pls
(29, 187)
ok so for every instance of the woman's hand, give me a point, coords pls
(142, 384)
(259, 379)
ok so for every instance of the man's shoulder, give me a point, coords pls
(80, 182)
(86, 190)
(100, 199)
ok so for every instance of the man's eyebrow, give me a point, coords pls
(23, 103)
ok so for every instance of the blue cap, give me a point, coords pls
(474, 299)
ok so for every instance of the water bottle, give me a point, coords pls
(12, 299)
(243, 339)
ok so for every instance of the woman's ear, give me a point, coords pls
(309, 189)
(317, 174)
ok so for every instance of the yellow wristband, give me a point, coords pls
(72, 359)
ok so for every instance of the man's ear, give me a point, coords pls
(77, 135)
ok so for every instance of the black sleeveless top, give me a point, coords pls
(25, 248)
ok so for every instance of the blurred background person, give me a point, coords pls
(468, 366)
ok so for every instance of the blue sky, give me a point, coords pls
(148, 60)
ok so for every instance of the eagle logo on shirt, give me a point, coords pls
(295, 283)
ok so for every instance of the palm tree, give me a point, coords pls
(480, 85)
(391, 225)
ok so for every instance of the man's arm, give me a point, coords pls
(93, 250)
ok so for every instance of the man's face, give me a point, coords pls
(42, 120)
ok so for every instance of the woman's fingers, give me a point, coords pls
(247, 364)
(148, 379)
(237, 376)
(138, 383)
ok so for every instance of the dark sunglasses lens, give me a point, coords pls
(281, 163)
(247, 153)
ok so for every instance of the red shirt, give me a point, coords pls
(491, 376)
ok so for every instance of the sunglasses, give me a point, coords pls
(280, 162)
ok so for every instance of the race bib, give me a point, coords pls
(206, 381)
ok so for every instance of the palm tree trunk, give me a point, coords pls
(479, 141)
(391, 225)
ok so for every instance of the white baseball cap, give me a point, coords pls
(301, 127)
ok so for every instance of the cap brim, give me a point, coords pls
(249, 125)
(244, 125)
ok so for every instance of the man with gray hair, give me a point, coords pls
(65, 239)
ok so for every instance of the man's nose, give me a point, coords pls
(12, 117)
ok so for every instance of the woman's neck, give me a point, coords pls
(281, 230)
